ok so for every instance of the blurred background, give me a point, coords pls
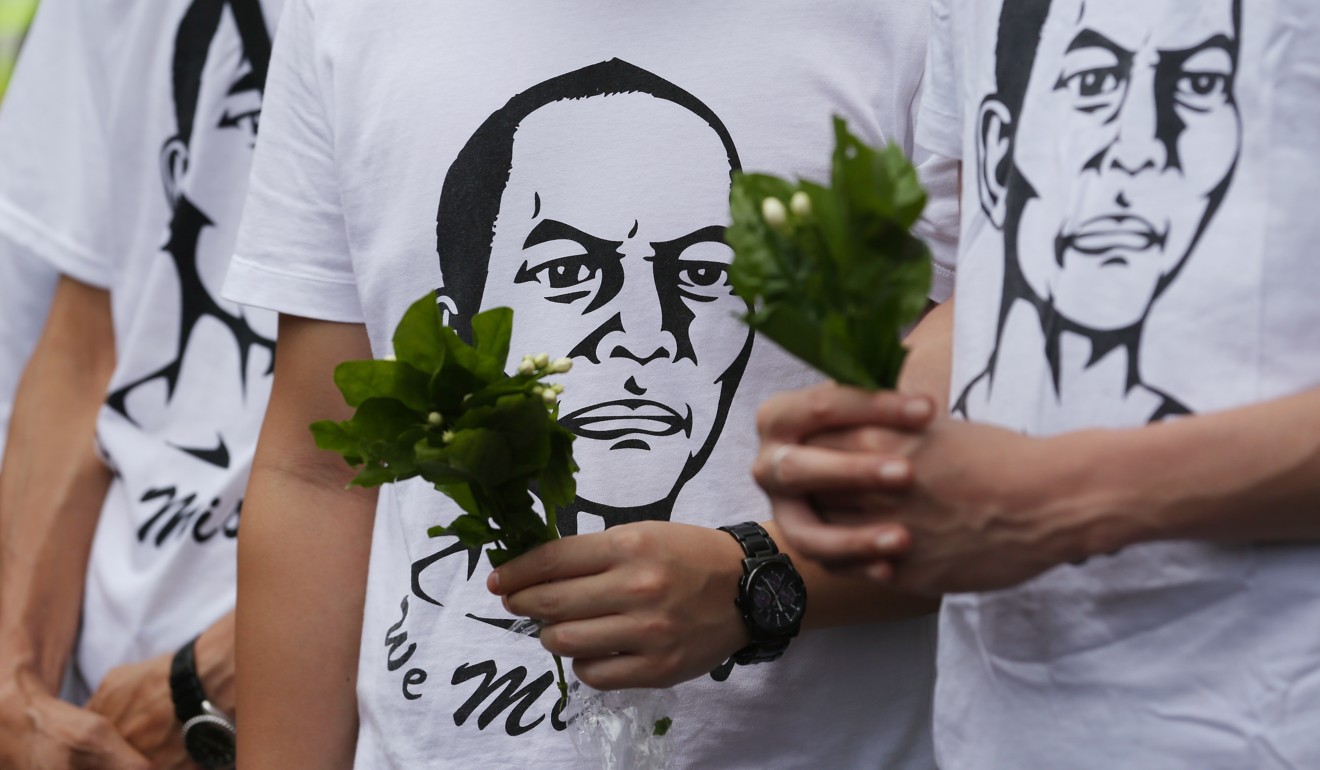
(15, 15)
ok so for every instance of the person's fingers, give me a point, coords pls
(833, 544)
(854, 507)
(865, 439)
(615, 672)
(791, 416)
(594, 638)
(593, 596)
(797, 469)
(557, 560)
(883, 571)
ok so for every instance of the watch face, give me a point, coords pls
(777, 596)
(210, 743)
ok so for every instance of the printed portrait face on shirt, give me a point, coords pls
(1106, 164)
(218, 109)
(609, 245)
(218, 70)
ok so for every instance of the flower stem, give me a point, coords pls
(563, 685)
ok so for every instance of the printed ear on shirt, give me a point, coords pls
(449, 314)
(994, 148)
(173, 165)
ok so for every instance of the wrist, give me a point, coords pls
(214, 655)
(727, 558)
(1087, 498)
(24, 667)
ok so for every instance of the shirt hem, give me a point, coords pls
(28, 233)
(256, 285)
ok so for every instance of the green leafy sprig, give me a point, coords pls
(834, 274)
(448, 412)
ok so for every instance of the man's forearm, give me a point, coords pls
(1246, 475)
(52, 484)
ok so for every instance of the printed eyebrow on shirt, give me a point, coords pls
(553, 230)
(1179, 57)
(1090, 38)
(673, 248)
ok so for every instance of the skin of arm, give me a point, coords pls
(51, 490)
(651, 604)
(302, 565)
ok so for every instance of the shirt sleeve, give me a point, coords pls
(293, 251)
(55, 187)
(939, 124)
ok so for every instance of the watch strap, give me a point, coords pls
(185, 685)
(755, 541)
(761, 652)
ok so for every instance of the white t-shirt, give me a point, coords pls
(1138, 245)
(604, 135)
(134, 182)
(26, 281)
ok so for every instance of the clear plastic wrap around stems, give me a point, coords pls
(617, 730)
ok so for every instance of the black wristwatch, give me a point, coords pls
(208, 733)
(771, 595)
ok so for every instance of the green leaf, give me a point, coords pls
(481, 454)
(334, 437)
(418, 339)
(556, 485)
(471, 531)
(491, 331)
(662, 726)
(461, 493)
(362, 380)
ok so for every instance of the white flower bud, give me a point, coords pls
(800, 204)
(435, 418)
(538, 391)
(390, 357)
(774, 213)
(447, 436)
(561, 366)
(526, 367)
(550, 397)
(542, 360)
(557, 388)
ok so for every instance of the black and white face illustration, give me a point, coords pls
(1124, 141)
(198, 174)
(221, 50)
(610, 235)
